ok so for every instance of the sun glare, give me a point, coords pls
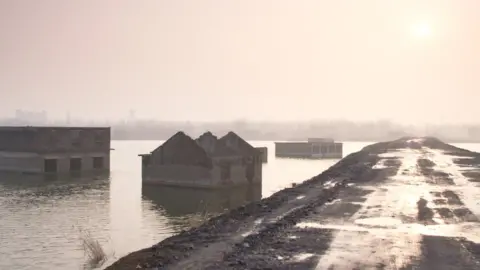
(422, 30)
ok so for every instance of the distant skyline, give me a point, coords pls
(406, 61)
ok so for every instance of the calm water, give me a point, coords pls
(41, 222)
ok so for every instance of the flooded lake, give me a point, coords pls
(42, 223)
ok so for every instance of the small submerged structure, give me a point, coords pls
(54, 150)
(207, 162)
(313, 148)
(263, 151)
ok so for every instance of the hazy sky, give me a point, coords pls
(409, 61)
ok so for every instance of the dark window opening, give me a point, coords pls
(75, 164)
(98, 162)
(50, 166)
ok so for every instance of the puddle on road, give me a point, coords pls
(469, 230)
(383, 222)
(380, 165)
(417, 140)
(330, 184)
(254, 229)
(333, 202)
(303, 256)
(315, 225)
(399, 153)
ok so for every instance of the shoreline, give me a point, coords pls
(465, 141)
(249, 236)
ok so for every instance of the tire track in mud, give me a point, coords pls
(282, 245)
(297, 247)
(269, 225)
(446, 245)
(407, 246)
(462, 197)
(356, 244)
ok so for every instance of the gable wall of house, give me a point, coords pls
(180, 151)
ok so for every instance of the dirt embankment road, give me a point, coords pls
(405, 204)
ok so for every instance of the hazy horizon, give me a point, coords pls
(406, 61)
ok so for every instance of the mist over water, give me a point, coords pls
(412, 62)
(362, 71)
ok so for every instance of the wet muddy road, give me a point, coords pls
(406, 204)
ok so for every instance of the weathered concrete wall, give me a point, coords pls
(63, 161)
(308, 150)
(293, 149)
(226, 172)
(24, 149)
(332, 155)
(258, 171)
(54, 139)
(13, 140)
(21, 162)
(237, 171)
(72, 140)
(35, 163)
(263, 152)
(228, 175)
(178, 175)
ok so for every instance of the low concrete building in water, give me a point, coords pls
(207, 162)
(313, 148)
(54, 150)
(263, 153)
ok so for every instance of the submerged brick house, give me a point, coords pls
(205, 162)
(54, 149)
(254, 157)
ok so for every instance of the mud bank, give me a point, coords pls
(332, 220)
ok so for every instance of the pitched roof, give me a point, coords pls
(206, 135)
(218, 149)
(183, 150)
(180, 140)
(232, 140)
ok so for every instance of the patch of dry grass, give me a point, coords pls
(93, 249)
(202, 216)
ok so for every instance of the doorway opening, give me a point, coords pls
(98, 163)
(50, 165)
(75, 164)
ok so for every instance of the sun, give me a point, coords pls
(422, 30)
